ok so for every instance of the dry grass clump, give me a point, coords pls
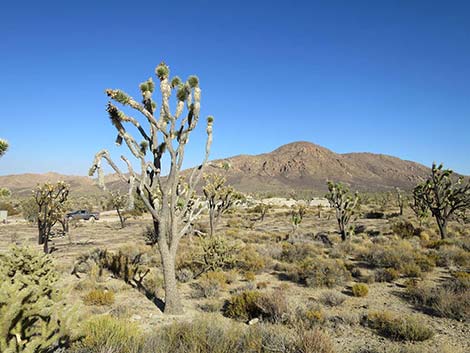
(453, 255)
(386, 275)
(332, 298)
(320, 272)
(99, 297)
(360, 290)
(293, 253)
(205, 335)
(211, 283)
(107, 334)
(451, 300)
(400, 328)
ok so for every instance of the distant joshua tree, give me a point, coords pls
(171, 200)
(443, 196)
(119, 202)
(3, 147)
(344, 204)
(50, 200)
(400, 200)
(220, 198)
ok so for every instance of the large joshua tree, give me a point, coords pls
(170, 200)
(443, 196)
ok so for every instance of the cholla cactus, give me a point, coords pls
(173, 206)
(3, 147)
(443, 196)
(344, 204)
(32, 316)
(50, 199)
(219, 197)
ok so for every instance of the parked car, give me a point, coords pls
(83, 214)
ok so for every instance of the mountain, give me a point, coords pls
(296, 166)
(306, 166)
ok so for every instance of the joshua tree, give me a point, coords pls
(169, 200)
(119, 202)
(344, 204)
(443, 196)
(297, 216)
(50, 200)
(400, 200)
(3, 147)
(219, 197)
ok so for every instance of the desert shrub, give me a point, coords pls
(360, 290)
(33, 317)
(9, 207)
(449, 300)
(208, 335)
(211, 306)
(404, 229)
(386, 275)
(292, 253)
(248, 259)
(332, 298)
(452, 255)
(99, 297)
(274, 307)
(320, 273)
(411, 270)
(211, 283)
(108, 334)
(243, 306)
(184, 274)
(401, 328)
(249, 276)
(308, 316)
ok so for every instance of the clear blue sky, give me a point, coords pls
(387, 77)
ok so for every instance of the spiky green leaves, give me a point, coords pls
(210, 119)
(147, 86)
(118, 96)
(193, 81)
(176, 82)
(3, 147)
(183, 92)
(115, 115)
(162, 71)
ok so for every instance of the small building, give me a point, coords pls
(3, 216)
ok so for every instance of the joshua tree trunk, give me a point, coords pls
(442, 224)
(211, 222)
(121, 219)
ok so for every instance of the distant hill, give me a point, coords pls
(295, 166)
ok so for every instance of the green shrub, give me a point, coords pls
(360, 290)
(99, 297)
(320, 273)
(243, 306)
(107, 334)
(401, 328)
(32, 313)
(211, 283)
(249, 260)
(404, 229)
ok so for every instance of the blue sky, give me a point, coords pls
(388, 77)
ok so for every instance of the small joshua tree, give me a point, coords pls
(50, 200)
(169, 200)
(32, 314)
(443, 196)
(297, 216)
(400, 200)
(3, 147)
(344, 204)
(119, 202)
(219, 197)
